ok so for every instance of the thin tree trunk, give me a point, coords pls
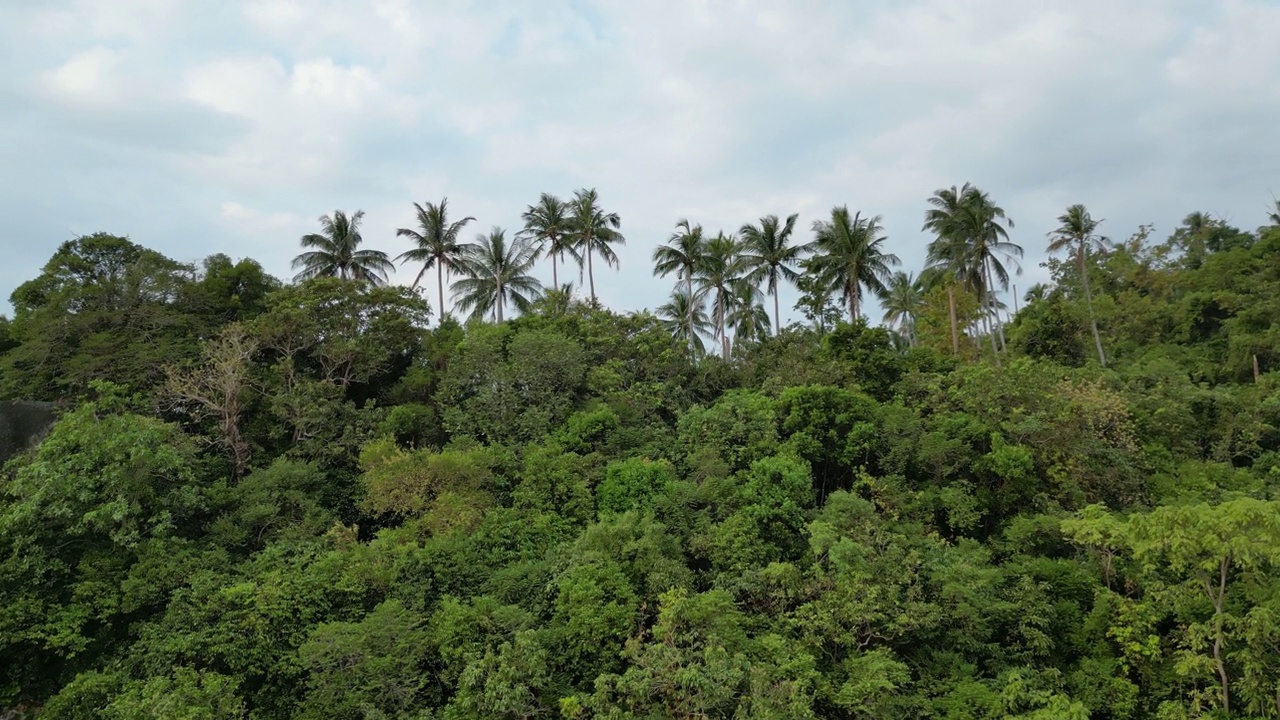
(440, 285)
(590, 272)
(988, 297)
(955, 330)
(688, 288)
(1218, 601)
(1088, 299)
(777, 323)
(555, 279)
(1015, 299)
(499, 305)
(724, 336)
(853, 304)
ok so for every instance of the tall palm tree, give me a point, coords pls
(720, 266)
(902, 300)
(849, 255)
(548, 224)
(685, 317)
(497, 273)
(1273, 213)
(681, 256)
(971, 240)
(594, 231)
(992, 251)
(768, 255)
(436, 241)
(747, 316)
(1076, 232)
(336, 252)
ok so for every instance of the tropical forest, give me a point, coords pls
(458, 494)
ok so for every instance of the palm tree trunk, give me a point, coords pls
(440, 285)
(724, 336)
(853, 304)
(777, 323)
(995, 311)
(498, 305)
(955, 329)
(986, 311)
(1088, 299)
(555, 279)
(688, 285)
(590, 272)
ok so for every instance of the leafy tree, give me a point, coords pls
(436, 241)
(1078, 231)
(849, 255)
(768, 255)
(95, 524)
(497, 273)
(375, 667)
(103, 308)
(336, 252)
(594, 231)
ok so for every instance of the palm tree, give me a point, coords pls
(991, 244)
(720, 266)
(685, 317)
(1036, 293)
(902, 300)
(497, 274)
(437, 243)
(594, 231)
(970, 242)
(681, 256)
(336, 252)
(548, 224)
(1273, 213)
(768, 255)
(1077, 233)
(747, 316)
(849, 255)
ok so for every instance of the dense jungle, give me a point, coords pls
(327, 497)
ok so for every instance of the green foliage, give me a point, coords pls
(632, 484)
(568, 514)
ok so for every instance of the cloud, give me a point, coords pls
(201, 128)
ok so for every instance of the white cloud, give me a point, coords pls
(89, 77)
(718, 110)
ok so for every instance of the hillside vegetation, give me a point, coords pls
(317, 500)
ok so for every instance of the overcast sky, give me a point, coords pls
(204, 126)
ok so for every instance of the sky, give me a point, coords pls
(217, 126)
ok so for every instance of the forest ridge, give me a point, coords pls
(312, 499)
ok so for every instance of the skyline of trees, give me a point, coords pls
(847, 256)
